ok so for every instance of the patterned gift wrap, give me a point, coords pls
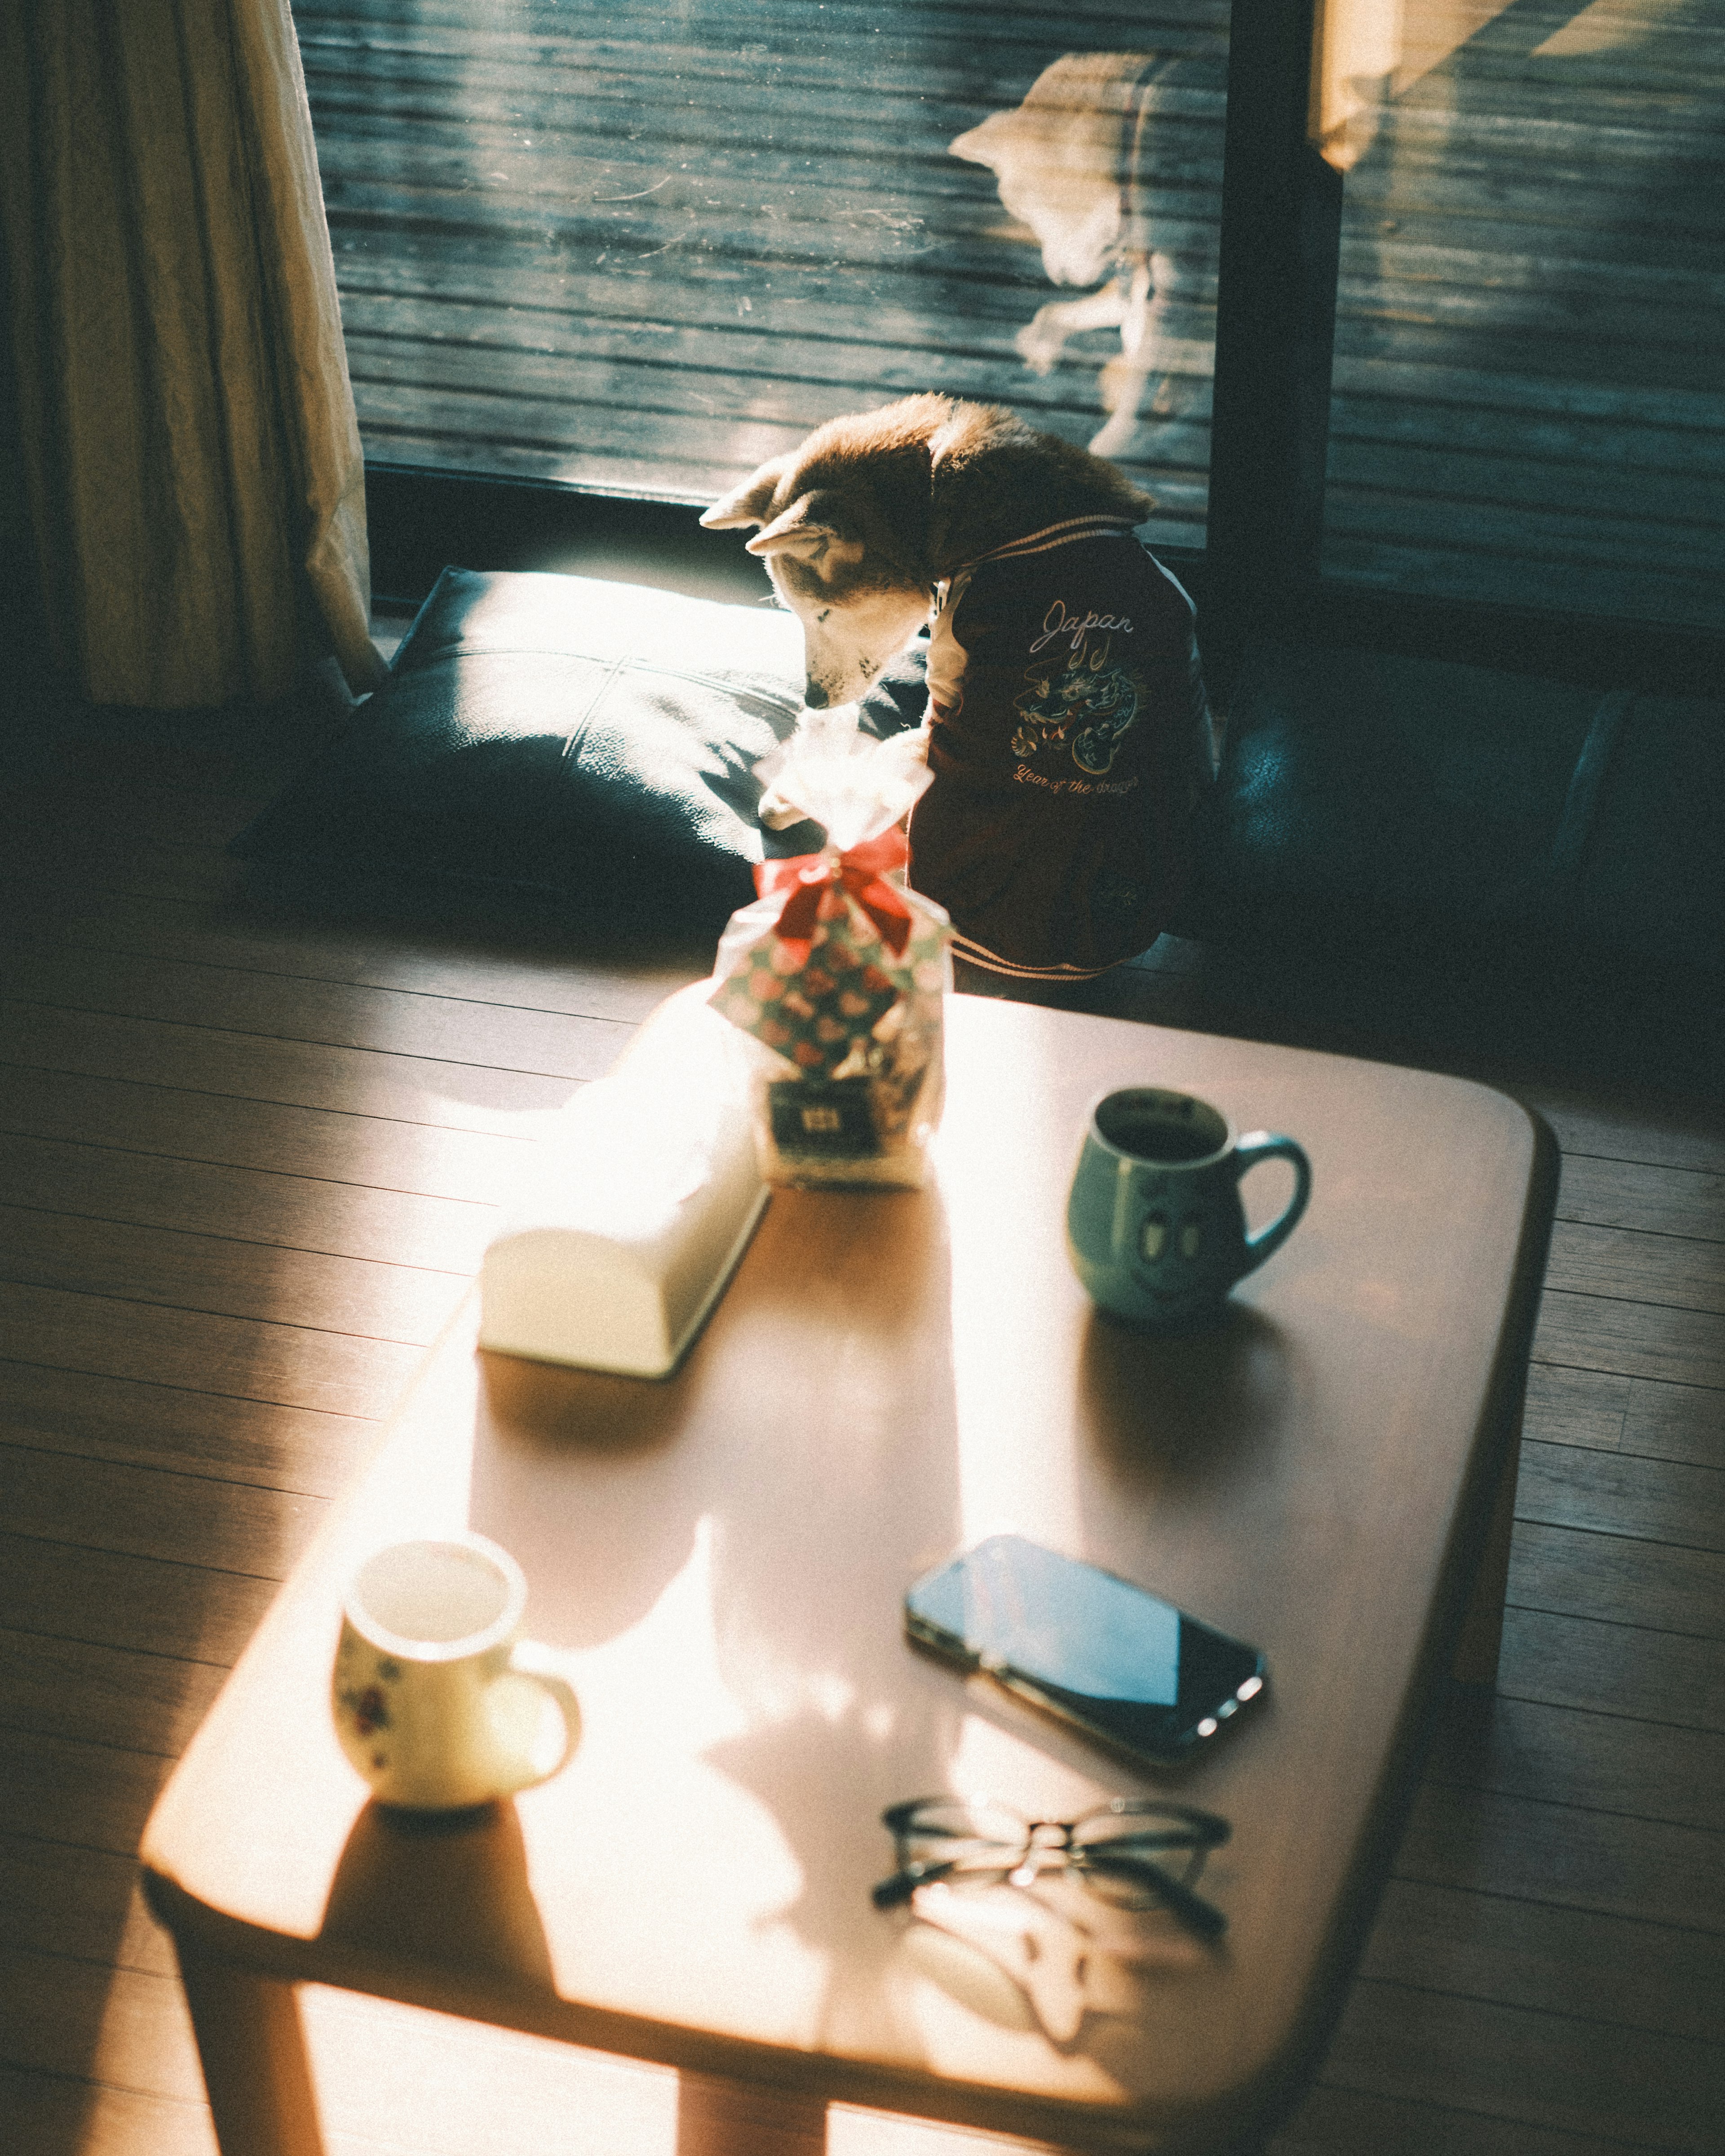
(819, 1012)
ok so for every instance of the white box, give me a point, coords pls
(634, 1209)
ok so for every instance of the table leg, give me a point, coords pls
(745, 2118)
(1482, 1628)
(253, 2049)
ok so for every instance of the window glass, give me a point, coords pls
(640, 247)
(1529, 393)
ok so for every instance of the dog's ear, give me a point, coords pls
(747, 504)
(989, 144)
(810, 530)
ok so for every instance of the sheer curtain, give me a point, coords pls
(190, 459)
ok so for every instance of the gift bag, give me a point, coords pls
(836, 977)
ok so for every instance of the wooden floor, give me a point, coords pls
(246, 1156)
(640, 248)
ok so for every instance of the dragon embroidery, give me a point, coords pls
(1087, 707)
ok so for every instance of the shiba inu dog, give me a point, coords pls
(1067, 728)
(1106, 160)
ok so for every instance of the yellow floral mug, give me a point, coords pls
(438, 1701)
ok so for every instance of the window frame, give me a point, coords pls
(1259, 574)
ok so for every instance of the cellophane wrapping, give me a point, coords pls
(836, 977)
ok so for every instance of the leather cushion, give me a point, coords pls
(591, 740)
(1403, 800)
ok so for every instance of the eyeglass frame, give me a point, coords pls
(1205, 1831)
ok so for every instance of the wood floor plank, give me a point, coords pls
(257, 938)
(1678, 1272)
(1634, 1125)
(51, 2115)
(53, 1788)
(1647, 1870)
(336, 1372)
(1574, 1407)
(102, 1184)
(1551, 1960)
(189, 1431)
(1675, 1422)
(1632, 1339)
(1660, 1201)
(126, 2027)
(122, 1115)
(106, 1694)
(84, 1505)
(1573, 1572)
(138, 1604)
(60, 1898)
(250, 1067)
(1346, 2122)
(389, 2079)
(226, 1277)
(1544, 2071)
(1643, 1770)
(1613, 1669)
(443, 1029)
(1617, 1493)
(1638, 1415)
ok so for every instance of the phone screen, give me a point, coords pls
(1120, 1663)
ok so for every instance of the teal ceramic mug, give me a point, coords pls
(1154, 1225)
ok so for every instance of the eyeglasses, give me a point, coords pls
(1137, 1853)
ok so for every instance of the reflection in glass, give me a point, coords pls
(1526, 400)
(645, 248)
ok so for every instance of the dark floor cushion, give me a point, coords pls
(1405, 801)
(589, 740)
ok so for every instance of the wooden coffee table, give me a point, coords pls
(721, 1557)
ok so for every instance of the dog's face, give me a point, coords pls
(1056, 175)
(1057, 159)
(842, 521)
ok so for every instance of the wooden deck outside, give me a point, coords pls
(248, 1158)
(639, 247)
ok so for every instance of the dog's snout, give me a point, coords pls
(814, 696)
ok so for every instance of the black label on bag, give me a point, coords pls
(833, 1118)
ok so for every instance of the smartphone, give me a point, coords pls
(1118, 1663)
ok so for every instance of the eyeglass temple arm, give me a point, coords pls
(1199, 1915)
(894, 1892)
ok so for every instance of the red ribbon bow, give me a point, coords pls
(860, 874)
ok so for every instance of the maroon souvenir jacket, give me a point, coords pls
(1070, 743)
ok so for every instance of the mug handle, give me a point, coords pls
(530, 1663)
(1269, 1145)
